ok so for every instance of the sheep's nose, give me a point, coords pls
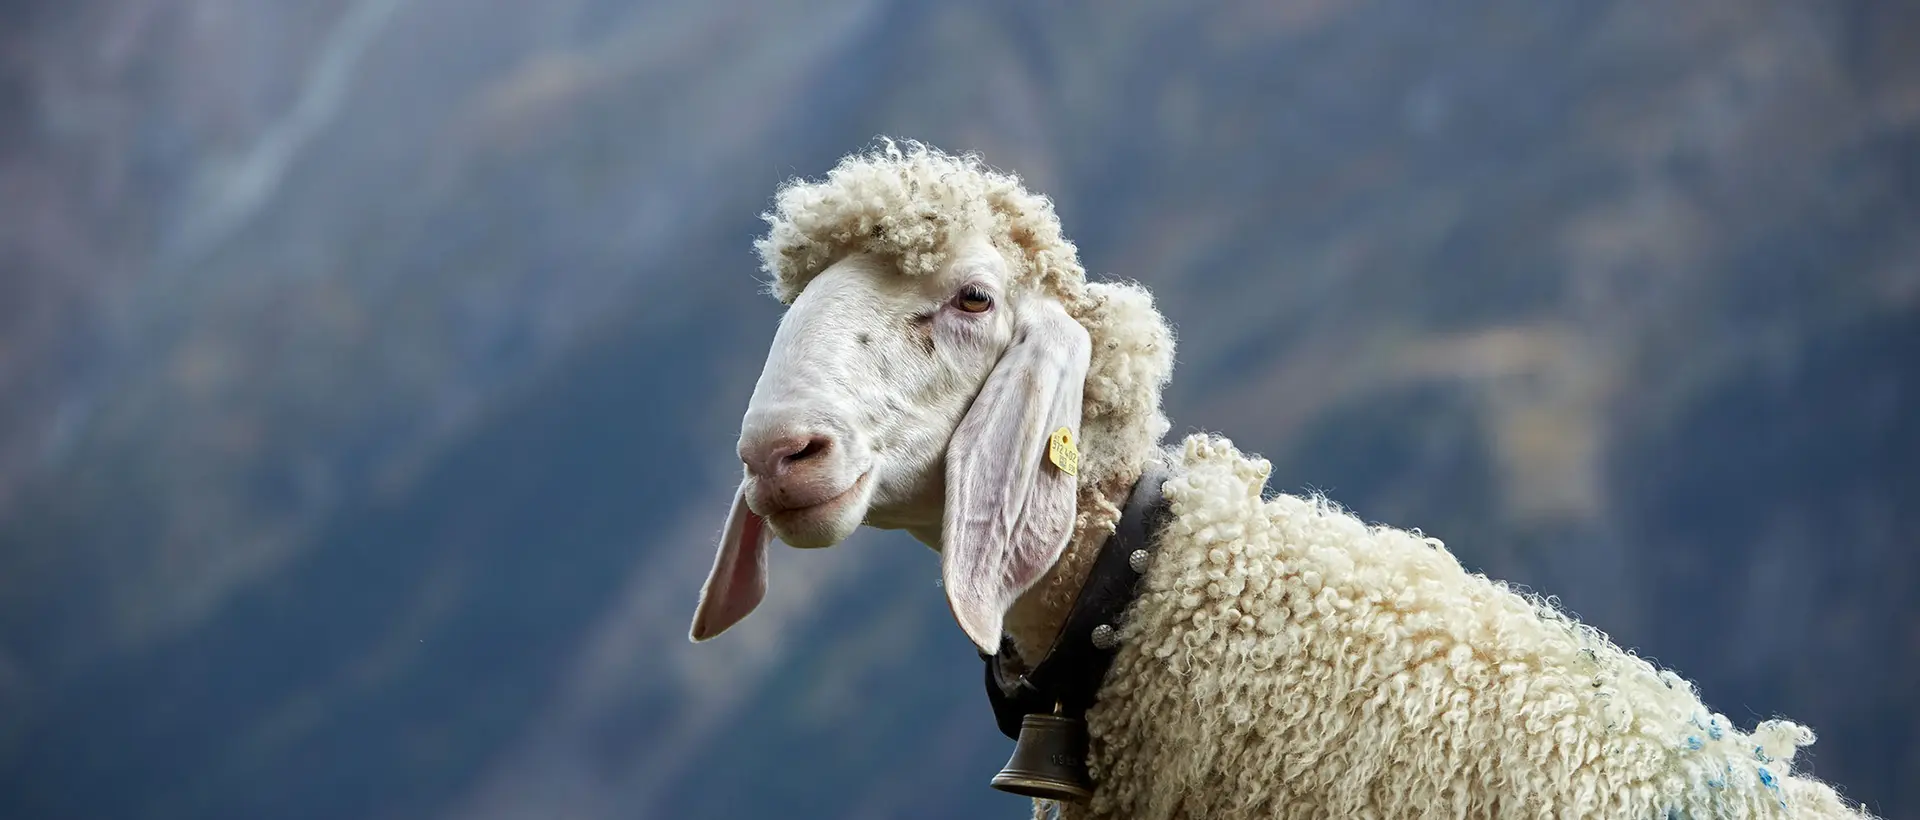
(775, 458)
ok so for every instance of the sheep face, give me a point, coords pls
(922, 403)
(868, 375)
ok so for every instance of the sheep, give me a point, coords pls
(1282, 658)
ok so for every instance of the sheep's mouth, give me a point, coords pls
(797, 523)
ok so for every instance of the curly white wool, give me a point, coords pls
(1287, 660)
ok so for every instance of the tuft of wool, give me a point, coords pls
(908, 203)
(1286, 660)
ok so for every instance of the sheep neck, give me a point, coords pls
(1036, 618)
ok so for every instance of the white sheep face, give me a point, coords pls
(866, 379)
(920, 403)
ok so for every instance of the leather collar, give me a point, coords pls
(1071, 673)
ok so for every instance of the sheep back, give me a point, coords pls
(1284, 659)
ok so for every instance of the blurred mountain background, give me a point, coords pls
(370, 369)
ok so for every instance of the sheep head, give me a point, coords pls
(939, 333)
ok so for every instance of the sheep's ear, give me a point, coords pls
(1009, 510)
(739, 577)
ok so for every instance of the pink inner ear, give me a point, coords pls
(1046, 521)
(749, 577)
(739, 578)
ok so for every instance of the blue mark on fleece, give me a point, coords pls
(1760, 754)
(1719, 782)
(1766, 779)
(1693, 743)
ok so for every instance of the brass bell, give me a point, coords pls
(1049, 760)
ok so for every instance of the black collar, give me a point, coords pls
(1074, 667)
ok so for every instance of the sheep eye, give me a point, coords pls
(973, 300)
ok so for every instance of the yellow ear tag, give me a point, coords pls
(1062, 453)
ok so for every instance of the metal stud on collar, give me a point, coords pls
(1104, 637)
(1137, 561)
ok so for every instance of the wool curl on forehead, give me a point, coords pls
(909, 202)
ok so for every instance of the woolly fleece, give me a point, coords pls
(1286, 660)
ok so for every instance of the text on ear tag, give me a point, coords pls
(1062, 453)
